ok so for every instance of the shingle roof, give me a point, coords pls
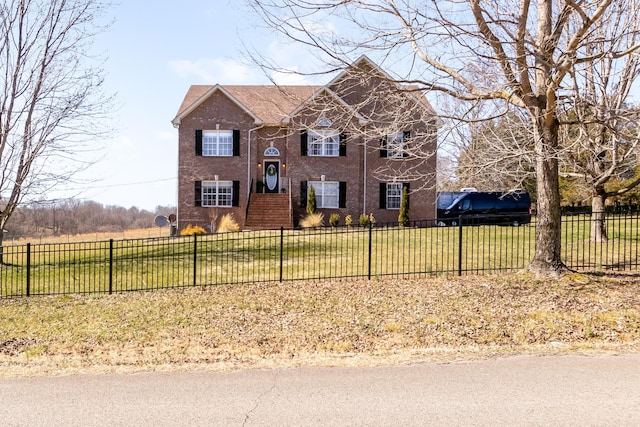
(270, 103)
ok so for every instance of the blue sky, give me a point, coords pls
(154, 51)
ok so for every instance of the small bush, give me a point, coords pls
(334, 219)
(190, 230)
(312, 220)
(348, 220)
(364, 220)
(228, 224)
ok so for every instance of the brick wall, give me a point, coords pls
(362, 195)
(217, 110)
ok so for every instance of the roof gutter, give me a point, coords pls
(249, 159)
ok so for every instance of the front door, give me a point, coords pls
(272, 176)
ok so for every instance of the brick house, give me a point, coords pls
(254, 151)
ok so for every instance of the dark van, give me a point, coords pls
(496, 207)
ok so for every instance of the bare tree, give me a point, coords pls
(602, 139)
(495, 153)
(50, 98)
(520, 53)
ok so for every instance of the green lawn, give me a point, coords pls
(246, 257)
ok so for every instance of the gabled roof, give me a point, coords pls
(412, 90)
(332, 94)
(266, 104)
(275, 105)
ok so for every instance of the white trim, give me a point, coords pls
(249, 165)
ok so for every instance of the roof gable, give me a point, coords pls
(316, 95)
(265, 104)
(276, 105)
(365, 68)
(198, 94)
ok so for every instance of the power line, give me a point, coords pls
(134, 183)
(128, 184)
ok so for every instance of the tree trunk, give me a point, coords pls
(598, 224)
(547, 259)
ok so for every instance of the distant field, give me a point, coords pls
(140, 233)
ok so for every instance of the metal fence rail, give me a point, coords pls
(311, 254)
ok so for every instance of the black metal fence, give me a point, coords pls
(311, 254)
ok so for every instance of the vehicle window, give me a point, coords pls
(483, 204)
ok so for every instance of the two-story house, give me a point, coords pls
(255, 151)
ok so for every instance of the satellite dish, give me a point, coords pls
(161, 221)
(172, 218)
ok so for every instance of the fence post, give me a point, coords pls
(28, 269)
(460, 246)
(370, 248)
(195, 259)
(110, 266)
(281, 251)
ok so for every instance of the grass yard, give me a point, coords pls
(329, 323)
(249, 257)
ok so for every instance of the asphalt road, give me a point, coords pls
(519, 391)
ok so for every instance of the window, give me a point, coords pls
(394, 146)
(217, 143)
(394, 195)
(391, 194)
(271, 152)
(217, 193)
(214, 143)
(327, 193)
(323, 143)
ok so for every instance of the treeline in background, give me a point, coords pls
(79, 217)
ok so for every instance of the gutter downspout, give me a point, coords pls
(364, 188)
(249, 159)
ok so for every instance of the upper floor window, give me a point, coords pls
(394, 146)
(323, 143)
(217, 143)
